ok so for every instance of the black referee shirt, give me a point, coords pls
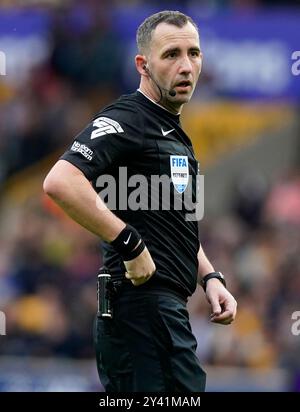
(135, 136)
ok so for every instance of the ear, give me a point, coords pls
(141, 64)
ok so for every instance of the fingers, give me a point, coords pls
(137, 281)
(227, 315)
(140, 269)
(225, 318)
(216, 308)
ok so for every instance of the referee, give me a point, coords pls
(153, 253)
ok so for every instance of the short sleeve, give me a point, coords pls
(112, 136)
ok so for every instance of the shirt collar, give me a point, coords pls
(162, 107)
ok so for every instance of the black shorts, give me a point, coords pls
(148, 346)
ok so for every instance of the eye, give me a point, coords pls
(194, 53)
(172, 55)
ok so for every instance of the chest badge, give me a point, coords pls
(179, 172)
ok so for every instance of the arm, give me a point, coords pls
(204, 265)
(222, 302)
(71, 190)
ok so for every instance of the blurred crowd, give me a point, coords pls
(257, 247)
(205, 3)
(48, 264)
(60, 95)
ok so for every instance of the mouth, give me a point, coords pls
(183, 85)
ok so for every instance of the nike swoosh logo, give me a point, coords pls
(165, 133)
(126, 241)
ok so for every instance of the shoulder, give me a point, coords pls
(121, 115)
(124, 108)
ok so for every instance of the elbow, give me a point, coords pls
(61, 181)
(52, 186)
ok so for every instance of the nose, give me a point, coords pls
(185, 65)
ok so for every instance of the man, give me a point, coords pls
(154, 255)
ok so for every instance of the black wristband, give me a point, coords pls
(216, 275)
(136, 252)
(126, 243)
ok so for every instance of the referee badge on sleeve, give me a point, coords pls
(179, 172)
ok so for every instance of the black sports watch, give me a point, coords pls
(216, 275)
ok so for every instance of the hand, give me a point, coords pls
(222, 302)
(140, 269)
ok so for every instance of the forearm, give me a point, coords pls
(78, 199)
(204, 265)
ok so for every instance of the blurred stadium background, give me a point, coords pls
(66, 59)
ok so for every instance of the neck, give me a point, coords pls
(160, 100)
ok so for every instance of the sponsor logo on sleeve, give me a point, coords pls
(105, 125)
(82, 149)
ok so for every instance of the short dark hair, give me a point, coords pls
(144, 32)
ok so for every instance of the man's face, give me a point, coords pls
(175, 60)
